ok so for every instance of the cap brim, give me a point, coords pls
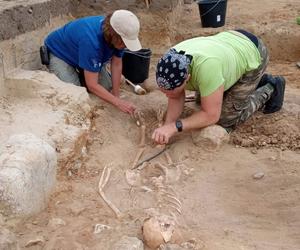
(133, 45)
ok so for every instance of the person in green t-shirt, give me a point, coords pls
(227, 72)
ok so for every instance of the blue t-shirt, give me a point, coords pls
(81, 44)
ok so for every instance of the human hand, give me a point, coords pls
(125, 106)
(163, 134)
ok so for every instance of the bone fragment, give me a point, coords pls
(172, 197)
(133, 177)
(138, 116)
(176, 208)
(160, 117)
(137, 157)
(169, 159)
(175, 204)
(101, 186)
(143, 136)
(144, 165)
(161, 166)
(100, 227)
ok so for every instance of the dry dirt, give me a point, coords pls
(223, 206)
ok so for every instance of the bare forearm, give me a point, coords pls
(175, 108)
(116, 71)
(198, 120)
(101, 92)
(91, 79)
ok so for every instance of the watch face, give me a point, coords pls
(179, 125)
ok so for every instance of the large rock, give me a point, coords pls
(27, 174)
(210, 137)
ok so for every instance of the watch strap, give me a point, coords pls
(178, 125)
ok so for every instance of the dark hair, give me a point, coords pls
(110, 35)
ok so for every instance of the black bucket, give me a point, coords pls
(136, 65)
(212, 12)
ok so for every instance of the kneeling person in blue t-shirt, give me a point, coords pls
(80, 50)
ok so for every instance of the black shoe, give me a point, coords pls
(266, 78)
(275, 102)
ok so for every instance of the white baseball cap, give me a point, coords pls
(127, 25)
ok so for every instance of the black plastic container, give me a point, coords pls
(136, 65)
(212, 12)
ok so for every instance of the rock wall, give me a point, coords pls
(25, 16)
(38, 103)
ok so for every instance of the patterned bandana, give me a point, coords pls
(172, 69)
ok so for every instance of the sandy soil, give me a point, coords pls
(223, 203)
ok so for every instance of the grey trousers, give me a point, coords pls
(69, 74)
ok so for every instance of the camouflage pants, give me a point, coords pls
(243, 99)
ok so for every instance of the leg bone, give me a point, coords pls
(137, 157)
(101, 186)
(143, 136)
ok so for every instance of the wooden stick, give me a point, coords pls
(101, 185)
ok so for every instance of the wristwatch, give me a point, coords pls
(178, 125)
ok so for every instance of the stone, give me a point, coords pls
(27, 174)
(37, 241)
(210, 137)
(258, 175)
(56, 222)
(8, 240)
(152, 233)
(100, 227)
(254, 151)
(128, 243)
(159, 230)
(171, 247)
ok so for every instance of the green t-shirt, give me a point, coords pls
(219, 59)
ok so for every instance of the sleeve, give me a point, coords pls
(89, 58)
(118, 53)
(209, 76)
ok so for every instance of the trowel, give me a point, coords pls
(137, 88)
